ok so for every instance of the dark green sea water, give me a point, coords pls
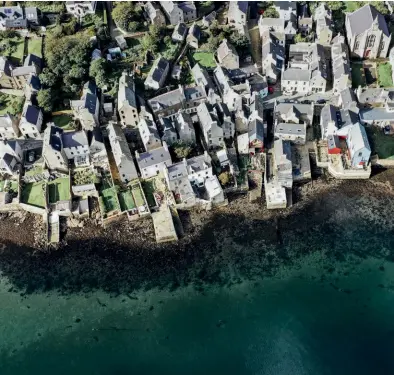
(330, 311)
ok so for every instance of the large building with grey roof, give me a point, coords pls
(127, 102)
(87, 109)
(341, 72)
(152, 163)
(122, 154)
(367, 33)
(308, 70)
(158, 74)
(169, 103)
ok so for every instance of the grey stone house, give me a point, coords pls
(367, 33)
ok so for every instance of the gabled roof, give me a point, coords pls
(32, 59)
(225, 48)
(156, 156)
(363, 18)
(294, 74)
(31, 113)
(74, 139)
(126, 94)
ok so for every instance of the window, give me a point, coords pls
(356, 44)
(360, 154)
(381, 45)
(371, 41)
(72, 153)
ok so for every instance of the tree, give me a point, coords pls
(334, 5)
(67, 59)
(239, 41)
(182, 150)
(99, 71)
(380, 7)
(47, 78)
(126, 15)
(132, 26)
(299, 38)
(271, 13)
(149, 43)
(44, 99)
(224, 178)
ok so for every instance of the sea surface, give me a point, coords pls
(329, 311)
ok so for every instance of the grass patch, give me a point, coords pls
(59, 190)
(11, 104)
(385, 75)
(109, 200)
(47, 6)
(19, 49)
(126, 200)
(149, 188)
(138, 196)
(63, 121)
(33, 194)
(37, 169)
(34, 46)
(381, 144)
(358, 75)
(351, 6)
(205, 59)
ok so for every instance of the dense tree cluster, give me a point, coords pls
(127, 15)
(65, 73)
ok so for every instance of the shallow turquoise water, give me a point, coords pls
(293, 323)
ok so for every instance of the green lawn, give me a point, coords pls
(37, 169)
(358, 75)
(59, 190)
(126, 200)
(110, 200)
(34, 46)
(33, 194)
(381, 144)
(384, 75)
(19, 49)
(149, 188)
(138, 195)
(11, 104)
(205, 59)
(63, 121)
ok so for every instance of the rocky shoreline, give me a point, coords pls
(220, 247)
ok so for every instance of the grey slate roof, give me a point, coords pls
(256, 130)
(74, 139)
(348, 98)
(34, 82)
(225, 48)
(156, 156)
(285, 4)
(32, 113)
(201, 76)
(16, 24)
(180, 31)
(32, 59)
(362, 19)
(90, 103)
(294, 74)
(289, 128)
(375, 114)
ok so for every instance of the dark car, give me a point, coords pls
(306, 102)
(321, 101)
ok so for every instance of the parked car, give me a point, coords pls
(306, 102)
(321, 101)
(270, 90)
